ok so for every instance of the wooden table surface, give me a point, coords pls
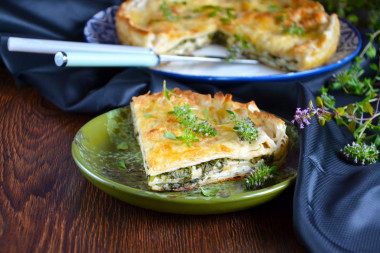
(46, 205)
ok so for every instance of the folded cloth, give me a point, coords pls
(336, 204)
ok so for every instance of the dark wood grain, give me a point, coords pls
(46, 205)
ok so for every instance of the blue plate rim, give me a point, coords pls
(277, 77)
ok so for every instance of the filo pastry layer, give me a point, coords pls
(172, 165)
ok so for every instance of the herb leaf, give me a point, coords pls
(170, 135)
(209, 192)
(166, 10)
(122, 146)
(121, 165)
(260, 176)
(294, 29)
(188, 120)
(244, 128)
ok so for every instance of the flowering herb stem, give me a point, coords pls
(361, 118)
(260, 177)
(244, 127)
(191, 124)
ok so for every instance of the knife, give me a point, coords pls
(42, 46)
(98, 59)
(83, 54)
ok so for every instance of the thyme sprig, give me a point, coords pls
(237, 48)
(244, 127)
(362, 117)
(261, 176)
(352, 9)
(191, 124)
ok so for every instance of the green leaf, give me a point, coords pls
(213, 13)
(209, 192)
(322, 122)
(273, 8)
(230, 14)
(122, 146)
(339, 120)
(232, 114)
(375, 128)
(371, 51)
(357, 130)
(167, 92)
(166, 10)
(340, 111)
(327, 117)
(377, 141)
(368, 108)
(319, 102)
(353, 18)
(350, 109)
(225, 20)
(351, 126)
(121, 165)
(170, 135)
(206, 114)
(373, 66)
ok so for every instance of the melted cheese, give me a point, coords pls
(260, 23)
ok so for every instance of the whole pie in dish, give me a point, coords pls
(172, 164)
(294, 35)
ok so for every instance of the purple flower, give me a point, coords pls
(302, 117)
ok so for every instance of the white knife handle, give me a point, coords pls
(95, 59)
(53, 46)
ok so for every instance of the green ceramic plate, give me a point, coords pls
(108, 155)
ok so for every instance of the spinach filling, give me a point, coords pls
(188, 177)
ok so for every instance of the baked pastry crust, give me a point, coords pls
(295, 35)
(163, 155)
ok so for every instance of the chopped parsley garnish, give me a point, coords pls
(294, 29)
(273, 8)
(166, 10)
(227, 14)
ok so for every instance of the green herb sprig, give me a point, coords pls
(281, 16)
(244, 127)
(192, 125)
(167, 11)
(359, 117)
(227, 13)
(260, 177)
(349, 9)
(237, 48)
(294, 29)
